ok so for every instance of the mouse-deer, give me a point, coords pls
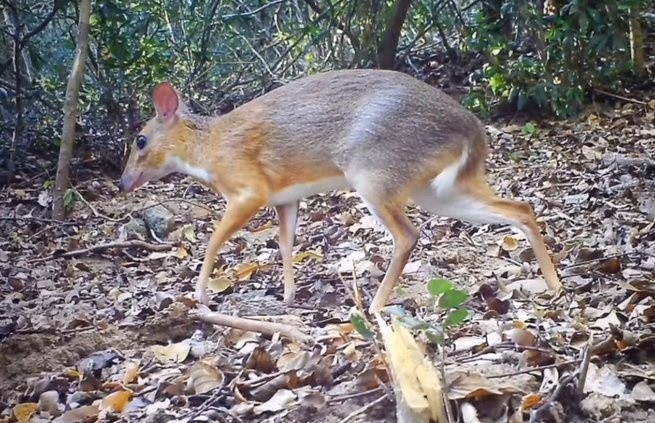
(388, 136)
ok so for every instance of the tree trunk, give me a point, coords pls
(70, 113)
(389, 42)
(637, 42)
(12, 18)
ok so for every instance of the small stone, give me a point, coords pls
(160, 220)
(134, 229)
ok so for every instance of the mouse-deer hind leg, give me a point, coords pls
(475, 202)
(389, 209)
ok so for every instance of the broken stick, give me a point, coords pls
(266, 328)
(101, 247)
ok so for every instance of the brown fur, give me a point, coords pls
(385, 133)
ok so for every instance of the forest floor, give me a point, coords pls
(113, 331)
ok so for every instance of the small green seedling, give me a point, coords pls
(361, 325)
(451, 299)
(530, 129)
(70, 197)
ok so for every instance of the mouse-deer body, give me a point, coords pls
(390, 137)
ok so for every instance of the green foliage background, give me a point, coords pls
(221, 53)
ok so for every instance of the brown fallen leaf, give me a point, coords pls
(530, 401)
(509, 243)
(77, 415)
(220, 284)
(24, 411)
(244, 271)
(204, 377)
(131, 372)
(307, 255)
(522, 337)
(278, 402)
(177, 352)
(116, 402)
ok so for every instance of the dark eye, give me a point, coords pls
(141, 142)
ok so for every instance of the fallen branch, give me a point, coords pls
(40, 219)
(266, 328)
(620, 97)
(101, 247)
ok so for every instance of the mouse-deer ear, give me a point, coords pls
(166, 101)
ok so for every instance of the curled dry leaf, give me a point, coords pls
(177, 352)
(530, 401)
(220, 284)
(116, 402)
(267, 390)
(464, 343)
(312, 399)
(603, 381)
(261, 360)
(278, 402)
(530, 286)
(522, 337)
(24, 411)
(244, 271)
(643, 392)
(204, 377)
(509, 243)
(292, 361)
(131, 372)
(307, 255)
(470, 385)
(76, 415)
(181, 253)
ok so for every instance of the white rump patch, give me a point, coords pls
(443, 197)
(297, 192)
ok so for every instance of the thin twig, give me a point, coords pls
(548, 403)
(101, 247)
(95, 212)
(535, 369)
(595, 260)
(40, 219)
(339, 398)
(584, 368)
(363, 410)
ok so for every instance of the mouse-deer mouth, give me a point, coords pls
(130, 181)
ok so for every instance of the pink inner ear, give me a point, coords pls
(166, 101)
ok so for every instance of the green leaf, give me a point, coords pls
(529, 128)
(439, 286)
(360, 325)
(457, 316)
(69, 198)
(434, 336)
(453, 299)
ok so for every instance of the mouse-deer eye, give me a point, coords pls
(141, 142)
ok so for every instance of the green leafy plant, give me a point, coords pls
(449, 299)
(70, 197)
(530, 129)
